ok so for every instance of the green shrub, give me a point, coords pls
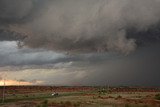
(119, 97)
(157, 96)
(45, 103)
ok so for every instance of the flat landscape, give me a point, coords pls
(79, 96)
(79, 53)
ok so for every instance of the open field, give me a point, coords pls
(40, 96)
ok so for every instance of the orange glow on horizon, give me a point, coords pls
(14, 82)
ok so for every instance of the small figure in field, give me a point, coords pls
(55, 94)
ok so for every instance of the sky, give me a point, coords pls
(85, 42)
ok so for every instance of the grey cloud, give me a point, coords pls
(83, 26)
(94, 29)
(12, 11)
(19, 11)
(7, 35)
(10, 55)
(139, 68)
(25, 58)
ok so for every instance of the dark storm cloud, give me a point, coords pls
(81, 26)
(10, 55)
(19, 11)
(12, 11)
(94, 29)
(140, 68)
(6, 35)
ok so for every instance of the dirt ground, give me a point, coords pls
(40, 96)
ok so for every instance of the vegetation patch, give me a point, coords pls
(157, 96)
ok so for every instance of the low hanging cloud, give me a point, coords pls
(81, 26)
(140, 69)
(10, 55)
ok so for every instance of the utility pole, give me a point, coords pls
(3, 92)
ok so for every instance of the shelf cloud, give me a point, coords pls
(97, 41)
(80, 26)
